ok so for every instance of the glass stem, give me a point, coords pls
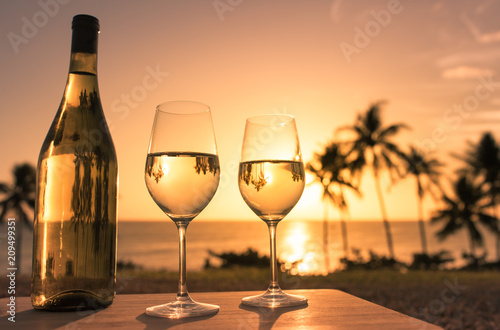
(273, 286)
(182, 292)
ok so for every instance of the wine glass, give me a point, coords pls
(271, 181)
(182, 176)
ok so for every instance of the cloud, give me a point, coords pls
(481, 37)
(335, 11)
(437, 6)
(482, 7)
(465, 72)
(481, 124)
(490, 55)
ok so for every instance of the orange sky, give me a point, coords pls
(435, 62)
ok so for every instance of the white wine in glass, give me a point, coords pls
(271, 180)
(182, 175)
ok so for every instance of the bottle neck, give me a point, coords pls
(84, 50)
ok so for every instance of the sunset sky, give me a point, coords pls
(436, 63)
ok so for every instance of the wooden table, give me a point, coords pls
(326, 309)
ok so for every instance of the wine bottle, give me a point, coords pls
(74, 237)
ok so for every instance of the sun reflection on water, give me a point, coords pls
(302, 250)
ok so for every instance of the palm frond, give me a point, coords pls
(371, 119)
(489, 222)
(426, 169)
(4, 205)
(451, 225)
(392, 130)
(4, 188)
(22, 192)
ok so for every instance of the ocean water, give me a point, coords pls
(155, 244)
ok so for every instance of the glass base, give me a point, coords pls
(181, 308)
(273, 299)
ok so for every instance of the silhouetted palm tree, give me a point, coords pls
(373, 147)
(464, 211)
(426, 172)
(483, 160)
(332, 170)
(18, 199)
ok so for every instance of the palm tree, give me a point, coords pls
(19, 198)
(373, 147)
(330, 169)
(483, 159)
(465, 211)
(426, 172)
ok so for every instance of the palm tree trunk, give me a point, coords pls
(498, 244)
(472, 248)
(343, 225)
(498, 247)
(423, 236)
(495, 214)
(325, 236)
(387, 225)
(343, 228)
